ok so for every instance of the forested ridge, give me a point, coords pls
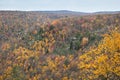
(49, 46)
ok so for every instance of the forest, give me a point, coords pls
(50, 46)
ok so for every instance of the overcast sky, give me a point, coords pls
(74, 5)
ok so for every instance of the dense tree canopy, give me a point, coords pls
(38, 46)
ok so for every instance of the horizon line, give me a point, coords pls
(60, 10)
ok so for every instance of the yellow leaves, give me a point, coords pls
(111, 42)
(117, 70)
(81, 65)
(115, 62)
(104, 58)
(45, 45)
(83, 56)
(51, 64)
(7, 73)
(65, 78)
(71, 57)
(88, 66)
(116, 57)
(23, 53)
(102, 65)
(38, 45)
(44, 68)
(100, 72)
(36, 77)
(65, 67)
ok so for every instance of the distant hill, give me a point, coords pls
(107, 12)
(65, 12)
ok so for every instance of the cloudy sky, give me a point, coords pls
(74, 5)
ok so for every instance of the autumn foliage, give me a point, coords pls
(102, 61)
(36, 46)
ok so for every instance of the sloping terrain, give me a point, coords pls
(62, 45)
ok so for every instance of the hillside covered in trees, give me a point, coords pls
(59, 46)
